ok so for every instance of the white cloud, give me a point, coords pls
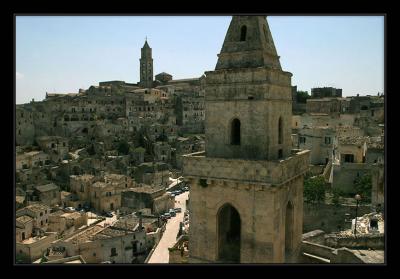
(19, 75)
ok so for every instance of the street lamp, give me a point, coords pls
(358, 198)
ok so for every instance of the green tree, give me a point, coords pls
(314, 189)
(302, 96)
(363, 187)
(123, 147)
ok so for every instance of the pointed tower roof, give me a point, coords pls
(146, 45)
(248, 44)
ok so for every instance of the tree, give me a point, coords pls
(363, 187)
(314, 189)
(302, 96)
(123, 147)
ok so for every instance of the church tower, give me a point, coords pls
(246, 195)
(146, 67)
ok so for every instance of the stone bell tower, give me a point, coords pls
(146, 67)
(246, 195)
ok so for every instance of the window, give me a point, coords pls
(235, 132)
(280, 154)
(302, 139)
(41, 213)
(327, 140)
(82, 189)
(41, 223)
(280, 131)
(243, 32)
(349, 158)
(113, 252)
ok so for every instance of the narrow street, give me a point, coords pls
(161, 253)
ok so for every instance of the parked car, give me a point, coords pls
(178, 209)
(172, 212)
(69, 209)
(167, 215)
(108, 214)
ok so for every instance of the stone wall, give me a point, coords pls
(273, 172)
(345, 174)
(329, 217)
(360, 241)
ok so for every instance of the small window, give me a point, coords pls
(280, 131)
(280, 154)
(302, 139)
(113, 252)
(349, 158)
(235, 132)
(243, 32)
(327, 140)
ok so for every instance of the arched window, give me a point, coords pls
(280, 131)
(243, 32)
(235, 132)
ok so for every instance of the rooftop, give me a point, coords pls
(24, 219)
(37, 207)
(47, 187)
(146, 189)
(85, 235)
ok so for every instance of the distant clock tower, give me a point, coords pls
(146, 67)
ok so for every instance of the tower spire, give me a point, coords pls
(248, 44)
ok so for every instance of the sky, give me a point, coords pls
(64, 53)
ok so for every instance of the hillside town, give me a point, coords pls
(235, 166)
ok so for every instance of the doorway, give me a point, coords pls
(229, 226)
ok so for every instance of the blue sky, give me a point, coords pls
(65, 53)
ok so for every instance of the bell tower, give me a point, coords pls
(146, 66)
(246, 195)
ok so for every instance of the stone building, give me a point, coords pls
(323, 92)
(319, 140)
(56, 147)
(323, 105)
(145, 196)
(190, 112)
(39, 213)
(105, 197)
(246, 190)
(48, 194)
(24, 127)
(123, 242)
(162, 151)
(156, 174)
(32, 159)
